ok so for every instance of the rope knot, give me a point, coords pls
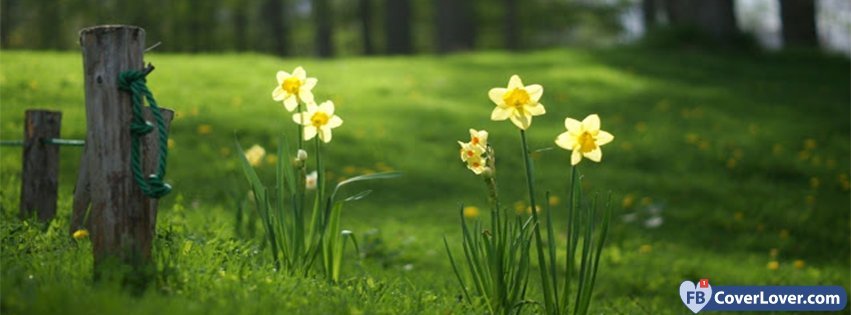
(126, 79)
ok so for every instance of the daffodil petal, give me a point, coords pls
(278, 94)
(501, 113)
(305, 95)
(297, 118)
(521, 121)
(591, 123)
(327, 107)
(309, 132)
(565, 141)
(334, 122)
(575, 157)
(495, 94)
(290, 102)
(325, 134)
(536, 110)
(309, 84)
(515, 82)
(312, 107)
(300, 73)
(281, 76)
(594, 155)
(603, 138)
(572, 125)
(535, 91)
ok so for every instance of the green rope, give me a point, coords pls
(133, 81)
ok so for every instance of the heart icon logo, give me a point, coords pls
(693, 297)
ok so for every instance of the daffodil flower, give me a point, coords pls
(476, 164)
(517, 102)
(584, 138)
(310, 180)
(470, 151)
(318, 120)
(479, 138)
(255, 154)
(294, 87)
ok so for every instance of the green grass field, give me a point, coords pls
(746, 155)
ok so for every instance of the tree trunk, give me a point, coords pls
(799, 23)
(278, 27)
(512, 25)
(365, 10)
(648, 13)
(398, 27)
(455, 25)
(715, 18)
(323, 17)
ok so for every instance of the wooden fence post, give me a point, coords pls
(122, 220)
(40, 175)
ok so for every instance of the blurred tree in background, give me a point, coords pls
(339, 27)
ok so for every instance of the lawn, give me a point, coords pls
(744, 156)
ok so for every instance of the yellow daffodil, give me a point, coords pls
(479, 138)
(318, 120)
(470, 151)
(293, 87)
(255, 155)
(476, 164)
(517, 102)
(584, 139)
(80, 234)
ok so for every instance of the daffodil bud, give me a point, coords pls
(300, 158)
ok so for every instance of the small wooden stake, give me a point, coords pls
(40, 176)
(122, 218)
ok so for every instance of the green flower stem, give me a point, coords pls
(539, 243)
(573, 202)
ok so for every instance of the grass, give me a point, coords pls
(747, 156)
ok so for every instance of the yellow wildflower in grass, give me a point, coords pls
(293, 87)
(645, 249)
(628, 201)
(519, 207)
(554, 200)
(773, 265)
(272, 159)
(80, 234)
(799, 264)
(170, 143)
(470, 151)
(479, 138)
(318, 120)
(584, 139)
(471, 212)
(204, 129)
(517, 102)
(255, 155)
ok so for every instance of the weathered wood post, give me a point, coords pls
(40, 174)
(82, 189)
(122, 217)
